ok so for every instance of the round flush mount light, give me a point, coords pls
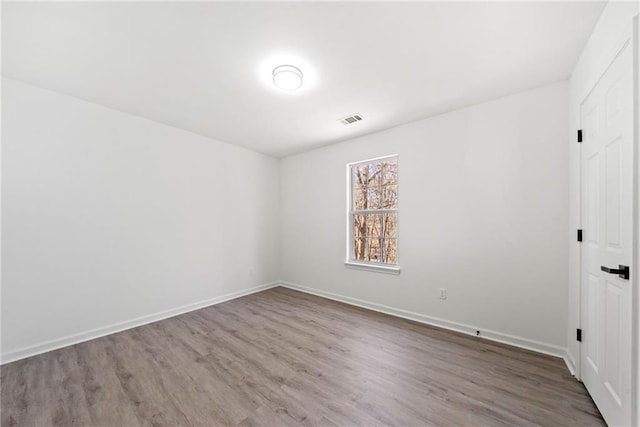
(287, 77)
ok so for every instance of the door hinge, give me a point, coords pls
(579, 334)
(579, 235)
(579, 135)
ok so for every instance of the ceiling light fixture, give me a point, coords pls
(287, 77)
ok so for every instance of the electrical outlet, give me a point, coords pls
(443, 293)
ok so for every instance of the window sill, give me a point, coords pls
(372, 267)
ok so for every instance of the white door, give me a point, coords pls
(606, 162)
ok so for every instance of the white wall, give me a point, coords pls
(483, 213)
(110, 220)
(596, 56)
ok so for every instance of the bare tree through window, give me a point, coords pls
(374, 211)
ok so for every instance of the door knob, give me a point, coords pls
(622, 271)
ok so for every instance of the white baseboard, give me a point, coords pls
(571, 364)
(525, 343)
(43, 347)
(515, 341)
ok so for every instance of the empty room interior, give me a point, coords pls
(320, 213)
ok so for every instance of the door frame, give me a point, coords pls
(630, 38)
(635, 251)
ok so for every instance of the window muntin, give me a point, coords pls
(373, 212)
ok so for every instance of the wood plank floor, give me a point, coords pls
(281, 357)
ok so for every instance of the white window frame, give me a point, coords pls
(365, 265)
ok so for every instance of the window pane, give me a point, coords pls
(360, 225)
(389, 197)
(359, 176)
(360, 199)
(367, 175)
(374, 225)
(390, 251)
(375, 174)
(389, 226)
(373, 250)
(374, 197)
(359, 249)
(389, 172)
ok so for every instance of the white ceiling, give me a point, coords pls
(205, 67)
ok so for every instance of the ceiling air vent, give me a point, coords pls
(350, 119)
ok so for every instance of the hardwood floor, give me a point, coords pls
(282, 357)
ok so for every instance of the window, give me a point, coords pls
(373, 214)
